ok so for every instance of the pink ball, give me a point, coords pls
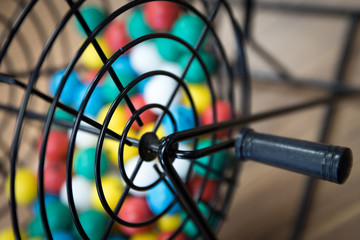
(147, 117)
(135, 210)
(161, 16)
(223, 113)
(54, 177)
(116, 35)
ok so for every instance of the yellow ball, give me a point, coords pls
(25, 186)
(7, 234)
(112, 187)
(160, 133)
(90, 57)
(200, 95)
(144, 236)
(118, 119)
(169, 223)
(112, 147)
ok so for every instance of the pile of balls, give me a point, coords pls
(139, 206)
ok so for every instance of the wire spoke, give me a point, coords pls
(187, 66)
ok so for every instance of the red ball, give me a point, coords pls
(160, 16)
(57, 146)
(116, 35)
(209, 189)
(54, 177)
(89, 76)
(223, 113)
(167, 235)
(146, 117)
(135, 210)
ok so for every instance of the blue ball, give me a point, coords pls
(63, 235)
(141, 85)
(72, 83)
(184, 118)
(49, 198)
(160, 197)
(95, 103)
(125, 73)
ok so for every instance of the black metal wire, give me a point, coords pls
(339, 75)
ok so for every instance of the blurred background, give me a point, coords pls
(308, 44)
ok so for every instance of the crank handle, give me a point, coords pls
(322, 161)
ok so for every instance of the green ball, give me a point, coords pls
(137, 26)
(110, 90)
(94, 224)
(190, 228)
(195, 73)
(218, 162)
(62, 115)
(93, 15)
(59, 219)
(169, 49)
(189, 28)
(84, 163)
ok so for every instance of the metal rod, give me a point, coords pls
(310, 188)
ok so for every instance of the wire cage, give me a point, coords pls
(125, 119)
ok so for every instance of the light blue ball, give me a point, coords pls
(63, 235)
(95, 103)
(160, 197)
(72, 83)
(184, 118)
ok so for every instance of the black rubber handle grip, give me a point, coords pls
(322, 161)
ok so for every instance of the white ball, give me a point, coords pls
(83, 138)
(171, 67)
(182, 165)
(144, 57)
(81, 189)
(145, 176)
(159, 90)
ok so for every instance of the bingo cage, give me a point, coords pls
(131, 119)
